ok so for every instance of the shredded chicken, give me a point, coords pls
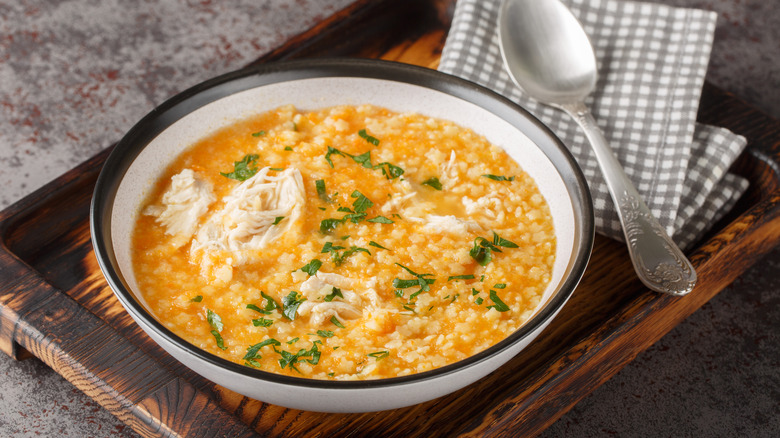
(246, 223)
(487, 206)
(320, 285)
(183, 204)
(449, 175)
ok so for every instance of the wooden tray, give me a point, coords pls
(55, 304)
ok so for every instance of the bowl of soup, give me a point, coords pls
(341, 235)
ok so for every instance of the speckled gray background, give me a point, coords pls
(75, 75)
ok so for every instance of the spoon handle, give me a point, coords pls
(658, 262)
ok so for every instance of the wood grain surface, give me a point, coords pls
(55, 304)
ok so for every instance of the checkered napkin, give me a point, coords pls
(652, 60)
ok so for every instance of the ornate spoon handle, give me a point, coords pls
(658, 262)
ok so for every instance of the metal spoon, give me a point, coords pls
(549, 56)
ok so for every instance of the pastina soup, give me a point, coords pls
(344, 243)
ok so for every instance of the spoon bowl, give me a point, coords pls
(547, 53)
(560, 70)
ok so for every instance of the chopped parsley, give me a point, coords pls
(500, 285)
(325, 333)
(291, 303)
(421, 281)
(328, 225)
(216, 327)
(373, 140)
(335, 292)
(253, 351)
(432, 182)
(478, 301)
(321, 192)
(336, 322)
(483, 248)
(270, 305)
(277, 220)
(389, 170)
(380, 220)
(258, 134)
(340, 257)
(362, 203)
(497, 303)
(372, 243)
(499, 177)
(262, 322)
(244, 169)
(379, 355)
(289, 359)
(312, 267)
(196, 299)
(288, 148)
(460, 277)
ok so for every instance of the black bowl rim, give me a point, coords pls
(211, 90)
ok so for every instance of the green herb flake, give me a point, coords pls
(478, 301)
(216, 327)
(277, 220)
(291, 303)
(500, 285)
(336, 322)
(328, 225)
(253, 351)
(288, 148)
(432, 182)
(312, 267)
(380, 220)
(499, 177)
(497, 303)
(379, 355)
(332, 151)
(474, 291)
(292, 341)
(335, 292)
(482, 251)
(321, 192)
(262, 322)
(270, 305)
(277, 169)
(390, 170)
(362, 203)
(373, 140)
(244, 169)
(374, 244)
(258, 134)
(325, 333)
(500, 241)
(196, 299)
(460, 277)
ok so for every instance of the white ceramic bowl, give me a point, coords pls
(142, 155)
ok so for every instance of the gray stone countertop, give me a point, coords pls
(76, 74)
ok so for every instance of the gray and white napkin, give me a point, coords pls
(652, 60)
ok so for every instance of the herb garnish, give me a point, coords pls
(483, 248)
(291, 303)
(372, 243)
(460, 277)
(252, 353)
(312, 267)
(498, 304)
(335, 292)
(216, 327)
(500, 285)
(419, 281)
(325, 333)
(262, 322)
(373, 140)
(499, 177)
(340, 257)
(379, 355)
(336, 322)
(289, 359)
(196, 299)
(432, 182)
(277, 220)
(380, 220)
(389, 170)
(321, 192)
(258, 134)
(242, 170)
(362, 203)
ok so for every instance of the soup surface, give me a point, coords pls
(344, 243)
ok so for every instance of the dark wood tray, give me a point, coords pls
(55, 304)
